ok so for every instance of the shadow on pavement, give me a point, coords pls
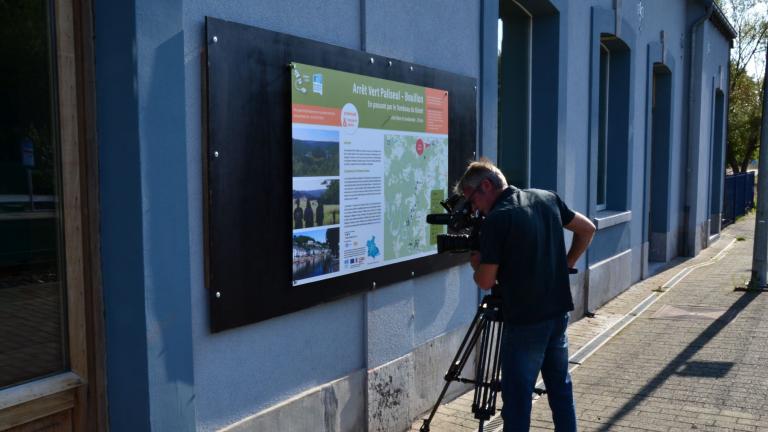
(681, 364)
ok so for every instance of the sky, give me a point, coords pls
(315, 134)
(309, 183)
(318, 234)
(756, 66)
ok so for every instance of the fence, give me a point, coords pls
(738, 196)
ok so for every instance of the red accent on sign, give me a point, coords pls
(310, 114)
(419, 146)
(436, 111)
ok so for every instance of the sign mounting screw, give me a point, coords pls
(215, 39)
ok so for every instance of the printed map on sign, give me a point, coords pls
(417, 172)
(369, 162)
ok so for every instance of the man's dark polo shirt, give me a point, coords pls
(523, 234)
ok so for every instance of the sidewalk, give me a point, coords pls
(679, 351)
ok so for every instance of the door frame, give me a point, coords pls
(76, 398)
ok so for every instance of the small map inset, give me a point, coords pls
(373, 250)
(417, 175)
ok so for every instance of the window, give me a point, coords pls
(529, 93)
(611, 143)
(602, 137)
(514, 64)
(717, 170)
(32, 288)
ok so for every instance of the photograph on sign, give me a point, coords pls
(315, 152)
(315, 252)
(369, 162)
(315, 202)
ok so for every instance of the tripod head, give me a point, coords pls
(491, 305)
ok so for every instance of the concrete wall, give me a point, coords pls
(373, 360)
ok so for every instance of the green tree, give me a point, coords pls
(744, 115)
(749, 20)
(331, 194)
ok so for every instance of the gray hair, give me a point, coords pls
(478, 171)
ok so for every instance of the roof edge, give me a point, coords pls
(721, 22)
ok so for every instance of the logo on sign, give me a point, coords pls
(317, 83)
(349, 118)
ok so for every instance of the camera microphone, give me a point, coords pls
(439, 219)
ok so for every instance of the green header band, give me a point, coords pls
(378, 103)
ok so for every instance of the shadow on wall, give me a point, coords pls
(166, 236)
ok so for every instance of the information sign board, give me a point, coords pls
(370, 161)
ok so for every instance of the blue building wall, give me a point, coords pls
(243, 371)
(167, 371)
(144, 203)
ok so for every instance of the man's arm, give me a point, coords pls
(583, 230)
(485, 274)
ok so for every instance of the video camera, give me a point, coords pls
(463, 225)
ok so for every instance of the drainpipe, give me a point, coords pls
(689, 220)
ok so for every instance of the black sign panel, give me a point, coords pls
(248, 178)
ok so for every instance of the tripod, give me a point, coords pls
(486, 327)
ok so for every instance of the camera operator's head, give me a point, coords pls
(481, 184)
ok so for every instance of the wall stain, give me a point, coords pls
(331, 405)
(389, 397)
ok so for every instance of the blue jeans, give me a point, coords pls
(526, 350)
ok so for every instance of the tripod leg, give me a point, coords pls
(496, 374)
(480, 372)
(491, 375)
(457, 365)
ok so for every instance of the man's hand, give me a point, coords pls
(474, 260)
(485, 274)
(583, 230)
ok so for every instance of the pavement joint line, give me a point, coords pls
(577, 359)
(598, 341)
(686, 271)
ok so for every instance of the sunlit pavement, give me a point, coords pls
(695, 359)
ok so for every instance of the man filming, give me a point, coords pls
(522, 248)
